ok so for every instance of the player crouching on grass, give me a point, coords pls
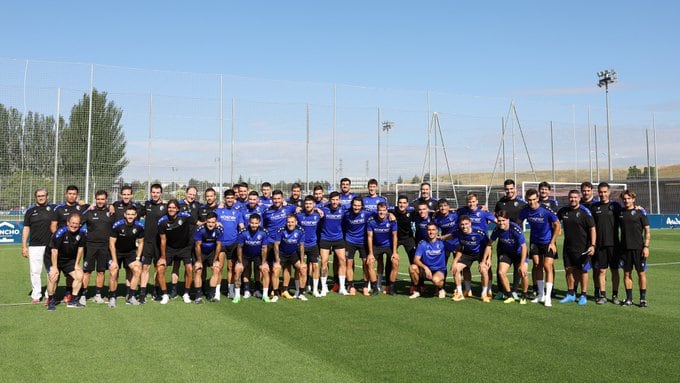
(208, 244)
(429, 262)
(126, 245)
(472, 247)
(289, 247)
(511, 251)
(67, 247)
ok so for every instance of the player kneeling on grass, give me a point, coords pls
(251, 250)
(126, 245)
(289, 247)
(429, 262)
(635, 237)
(472, 247)
(511, 251)
(67, 247)
(208, 246)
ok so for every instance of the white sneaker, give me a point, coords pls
(317, 294)
(535, 300)
(548, 302)
(165, 299)
(442, 293)
(246, 294)
(274, 299)
(415, 295)
(302, 298)
(186, 298)
(112, 303)
(83, 300)
(324, 292)
(543, 298)
(98, 299)
(343, 292)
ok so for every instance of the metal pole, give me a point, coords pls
(307, 154)
(387, 158)
(573, 127)
(378, 133)
(233, 138)
(435, 122)
(221, 169)
(56, 143)
(335, 112)
(552, 151)
(429, 134)
(609, 138)
(505, 175)
(590, 150)
(656, 166)
(148, 148)
(597, 156)
(514, 156)
(649, 172)
(89, 138)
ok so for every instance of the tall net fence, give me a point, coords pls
(135, 126)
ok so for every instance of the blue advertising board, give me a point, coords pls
(664, 221)
(10, 232)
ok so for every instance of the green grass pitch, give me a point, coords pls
(347, 339)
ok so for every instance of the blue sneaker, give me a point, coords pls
(568, 299)
(582, 300)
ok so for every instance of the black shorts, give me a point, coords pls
(607, 256)
(541, 251)
(95, 255)
(633, 258)
(352, 248)
(230, 252)
(178, 255)
(206, 259)
(575, 259)
(125, 259)
(409, 247)
(151, 252)
(247, 261)
(312, 254)
(510, 259)
(380, 251)
(288, 259)
(424, 278)
(335, 245)
(469, 259)
(66, 266)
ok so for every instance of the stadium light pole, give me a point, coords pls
(386, 127)
(607, 77)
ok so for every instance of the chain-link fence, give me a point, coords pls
(139, 126)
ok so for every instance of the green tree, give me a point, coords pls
(107, 154)
(400, 180)
(10, 140)
(634, 173)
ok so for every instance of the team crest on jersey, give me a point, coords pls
(578, 214)
(78, 237)
(162, 207)
(633, 212)
(78, 207)
(134, 231)
(180, 221)
(48, 208)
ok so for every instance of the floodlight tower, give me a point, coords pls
(607, 77)
(386, 127)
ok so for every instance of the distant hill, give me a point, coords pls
(669, 171)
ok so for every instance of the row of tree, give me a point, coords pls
(28, 143)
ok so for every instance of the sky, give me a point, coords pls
(534, 52)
